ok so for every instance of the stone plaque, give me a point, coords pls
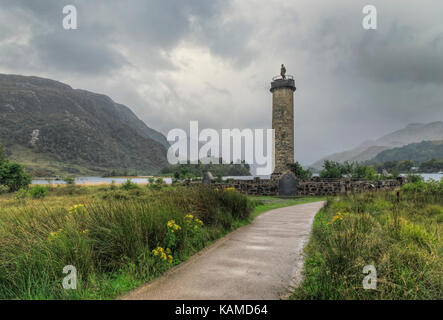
(287, 185)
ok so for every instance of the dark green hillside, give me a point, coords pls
(417, 152)
(54, 129)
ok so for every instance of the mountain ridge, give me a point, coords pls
(58, 129)
(417, 152)
(412, 133)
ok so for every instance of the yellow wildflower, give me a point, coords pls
(158, 251)
(78, 208)
(172, 226)
(54, 234)
(337, 217)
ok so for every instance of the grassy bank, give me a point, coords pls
(112, 237)
(117, 237)
(401, 237)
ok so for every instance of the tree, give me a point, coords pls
(331, 170)
(364, 172)
(14, 176)
(299, 172)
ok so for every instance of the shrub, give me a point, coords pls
(38, 192)
(4, 189)
(14, 176)
(413, 178)
(21, 193)
(112, 185)
(69, 180)
(117, 195)
(157, 185)
(129, 185)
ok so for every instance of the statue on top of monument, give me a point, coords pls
(283, 72)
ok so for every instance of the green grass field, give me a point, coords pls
(117, 237)
(401, 237)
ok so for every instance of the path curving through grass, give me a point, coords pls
(261, 260)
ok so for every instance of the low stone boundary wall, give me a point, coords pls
(311, 187)
(323, 187)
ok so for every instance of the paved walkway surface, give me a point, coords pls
(262, 260)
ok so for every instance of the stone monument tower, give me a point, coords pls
(282, 88)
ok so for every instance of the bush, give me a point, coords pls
(38, 192)
(21, 193)
(157, 185)
(69, 180)
(129, 185)
(13, 175)
(4, 189)
(413, 178)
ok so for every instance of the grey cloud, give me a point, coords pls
(352, 84)
(397, 51)
(227, 40)
(77, 51)
(152, 26)
(393, 59)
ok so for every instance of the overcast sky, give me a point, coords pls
(213, 60)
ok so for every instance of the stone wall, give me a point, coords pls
(251, 187)
(311, 187)
(327, 187)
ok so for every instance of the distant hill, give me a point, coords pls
(418, 152)
(413, 133)
(54, 129)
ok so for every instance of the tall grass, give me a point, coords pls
(400, 234)
(109, 241)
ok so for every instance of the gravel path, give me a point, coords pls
(259, 261)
